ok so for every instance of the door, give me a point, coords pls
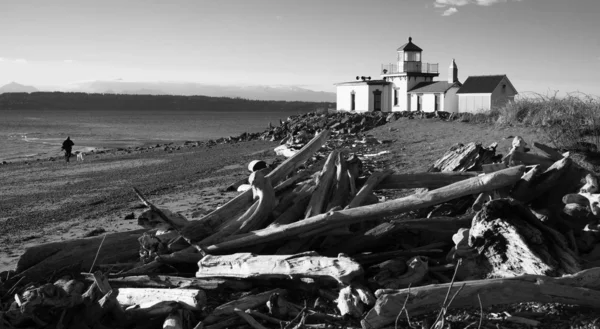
(437, 102)
(419, 100)
(377, 100)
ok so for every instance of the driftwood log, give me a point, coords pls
(511, 241)
(193, 299)
(170, 282)
(475, 185)
(433, 229)
(582, 288)
(308, 265)
(244, 303)
(462, 158)
(430, 180)
(39, 261)
(206, 226)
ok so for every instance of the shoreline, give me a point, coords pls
(46, 201)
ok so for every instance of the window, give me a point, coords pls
(395, 97)
(352, 101)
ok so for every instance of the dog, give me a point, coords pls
(79, 156)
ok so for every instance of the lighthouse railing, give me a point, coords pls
(410, 67)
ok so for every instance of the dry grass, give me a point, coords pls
(571, 122)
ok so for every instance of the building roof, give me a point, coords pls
(409, 46)
(364, 82)
(433, 87)
(482, 84)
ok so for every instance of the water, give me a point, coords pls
(39, 134)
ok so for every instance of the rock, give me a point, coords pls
(129, 216)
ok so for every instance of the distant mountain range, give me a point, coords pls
(14, 87)
(255, 92)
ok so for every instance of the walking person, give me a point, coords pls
(67, 145)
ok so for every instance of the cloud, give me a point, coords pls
(450, 11)
(20, 60)
(2, 59)
(68, 61)
(459, 3)
(279, 18)
(445, 3)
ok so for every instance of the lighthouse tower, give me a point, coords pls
(406, 73)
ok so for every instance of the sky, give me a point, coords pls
(544, 46)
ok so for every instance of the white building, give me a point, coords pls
(483, 93)
(408, 85)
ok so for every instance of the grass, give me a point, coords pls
(570, 123)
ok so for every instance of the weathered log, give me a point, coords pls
(515, 158)
(340, 191)
(482, 198)
(434, 229)
(150, 219)
(175, 224)
(320, 196)
(461, 159)
(244, 303)
(255, 216)
(310, 265)
(180, 318)
(430, 180)
(548, 151)
(193, 299)
(543, 182)
(368, 259)
(170, 282)
(373, 181)
(249, 319)
(206, 226)
(578, 289)
(348, 302)
(160, 309)
(345, 217)
(512, 241)
(415, 272)
(354, 169)
(591, 184)
(40, 260)
(294, 212)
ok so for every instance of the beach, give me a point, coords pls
(44, 201)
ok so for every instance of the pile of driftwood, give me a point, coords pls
(316, 249)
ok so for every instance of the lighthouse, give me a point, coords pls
(407, 72)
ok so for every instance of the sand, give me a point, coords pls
(46, 201)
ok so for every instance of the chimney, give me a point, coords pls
(453, 72)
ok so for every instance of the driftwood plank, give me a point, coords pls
(192, 298)
(578, 289)
(244, 303)
(206, 226)
(37, 262)
(475, 185)
(310, 265)
(365, 191)
(547, 151)
(169, 282)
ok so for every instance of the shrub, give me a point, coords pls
(571, 122)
